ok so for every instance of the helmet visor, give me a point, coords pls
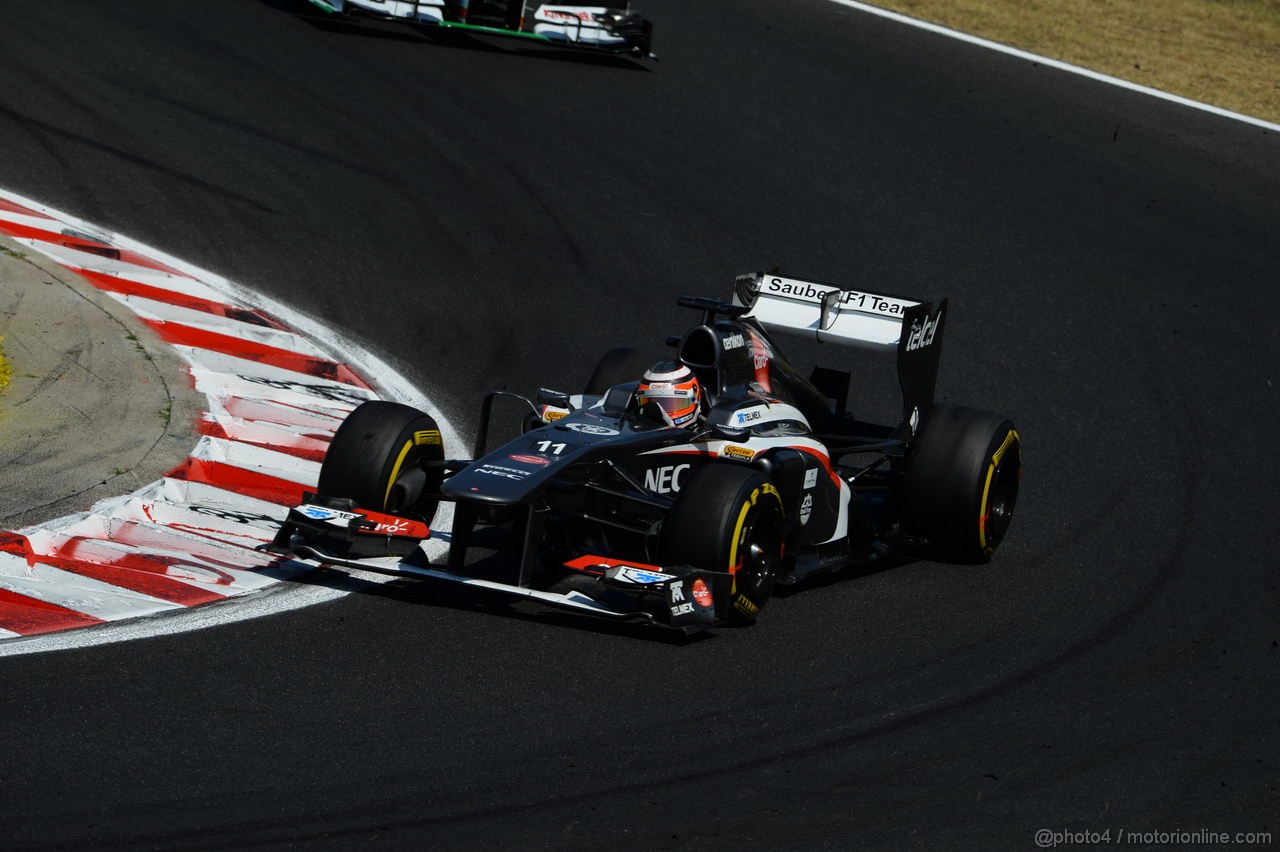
(676, 402)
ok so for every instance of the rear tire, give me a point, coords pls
(376, 459)
(729, 518)
(961, 482)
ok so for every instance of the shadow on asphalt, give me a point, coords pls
(447, 595)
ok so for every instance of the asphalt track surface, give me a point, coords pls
(484, 217)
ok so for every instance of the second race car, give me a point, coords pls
(599, 28)
(680, 489)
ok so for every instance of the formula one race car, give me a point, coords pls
(680, 493)
(598, 28)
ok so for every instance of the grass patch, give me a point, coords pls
(1220, 52)
(137, 344)
(6, 372)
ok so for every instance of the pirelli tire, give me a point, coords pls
(730, 518)
(618, 366)
(961, 483)
(376, 458)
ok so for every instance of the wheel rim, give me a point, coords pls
(763, 554)
(407, 490)
(1004, 493)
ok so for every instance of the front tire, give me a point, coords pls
(376, 458)
(961, 482)
(729, 518)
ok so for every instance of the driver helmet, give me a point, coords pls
(675, 389)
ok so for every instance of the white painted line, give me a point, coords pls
(1054, 63)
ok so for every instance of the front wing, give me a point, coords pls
(677, 597)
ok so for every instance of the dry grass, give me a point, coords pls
(5, 371)
(1220, 52)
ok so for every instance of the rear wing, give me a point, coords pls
(830, 314)
(826, 312)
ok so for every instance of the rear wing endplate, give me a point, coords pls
(830, 314)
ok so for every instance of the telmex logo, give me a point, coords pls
(636, 575)
(320, 513)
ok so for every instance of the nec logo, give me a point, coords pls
(665, 480)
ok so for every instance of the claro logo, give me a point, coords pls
(665, 480)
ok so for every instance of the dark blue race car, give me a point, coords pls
(679, 488)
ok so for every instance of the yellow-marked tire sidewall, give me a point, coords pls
(722, 510)
(373, 448)
(747, 600)
(963, 465)
(995, 508)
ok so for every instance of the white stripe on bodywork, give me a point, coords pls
(760, 445)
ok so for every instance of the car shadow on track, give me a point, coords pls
(429, 34)
(445, 595)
